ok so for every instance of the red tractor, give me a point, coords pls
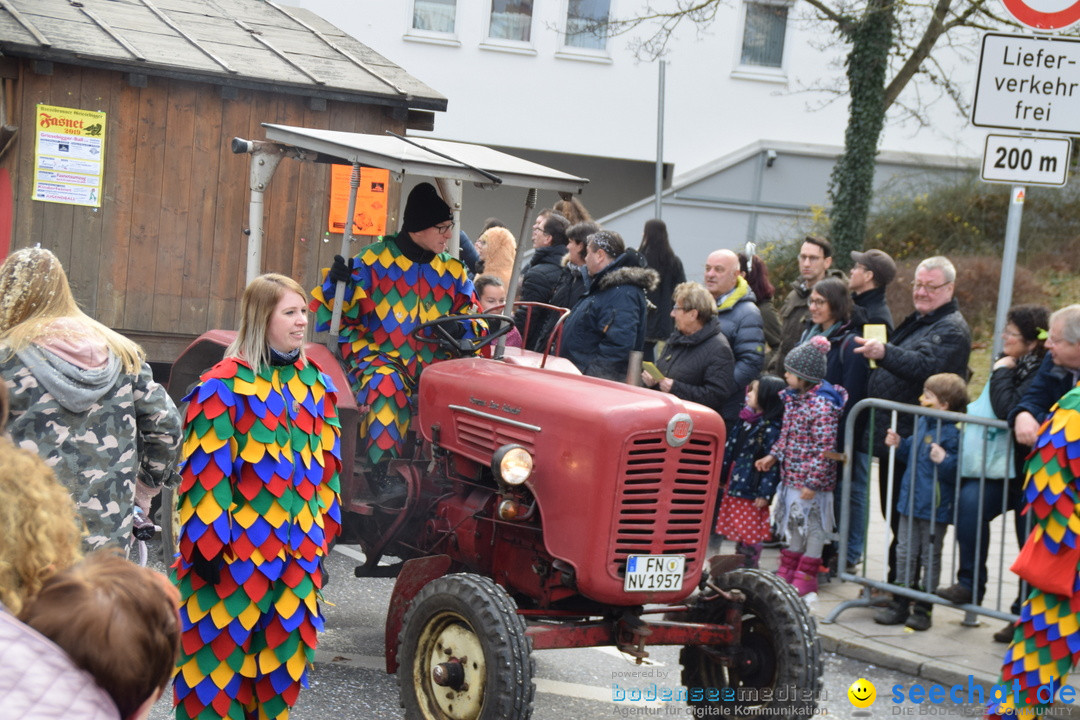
(546, 509)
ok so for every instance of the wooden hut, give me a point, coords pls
(162, 256)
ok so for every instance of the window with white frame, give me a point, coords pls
(764, 29)
(511, 20)
(434, 15)
(585, 23)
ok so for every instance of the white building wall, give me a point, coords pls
(740, 198)
(584, 104)
(548, 98)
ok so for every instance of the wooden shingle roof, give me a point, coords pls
(248, 43)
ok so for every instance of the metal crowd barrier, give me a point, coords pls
(860, 420)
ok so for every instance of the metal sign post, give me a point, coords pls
(1008, 265)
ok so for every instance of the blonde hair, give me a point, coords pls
(694, 296)
(34, 294)
(499, 253)
(261, 296)
(42, 529)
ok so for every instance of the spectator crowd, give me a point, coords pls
(90, 436)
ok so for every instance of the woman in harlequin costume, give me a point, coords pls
(258, 510)
(1046, 641)
(391, 287)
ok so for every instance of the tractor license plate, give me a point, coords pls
(652, 573)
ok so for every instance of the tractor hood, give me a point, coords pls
(620, 467)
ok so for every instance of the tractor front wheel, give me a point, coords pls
(464, 653)
(775, 668)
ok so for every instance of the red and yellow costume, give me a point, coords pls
(1046, 643)
(259, 496)
(387, 297)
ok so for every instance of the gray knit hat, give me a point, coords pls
(807, 361)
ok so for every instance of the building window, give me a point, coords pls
(763, 34)
(585, 23)
(511, 20)
(434, 15)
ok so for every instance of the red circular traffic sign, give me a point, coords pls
(1044, 14)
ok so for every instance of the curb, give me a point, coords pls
(891, 657)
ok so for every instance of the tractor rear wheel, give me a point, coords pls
(776, 667)
(464, 653)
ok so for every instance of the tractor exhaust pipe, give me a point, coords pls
(633, 368)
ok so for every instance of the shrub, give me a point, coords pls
(965, 221)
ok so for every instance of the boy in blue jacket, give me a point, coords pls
(926, 497)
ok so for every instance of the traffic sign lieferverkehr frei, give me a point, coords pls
(1028, 82)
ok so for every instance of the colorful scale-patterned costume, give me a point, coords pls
(388, 296)
(260, 492)
(1046, 644)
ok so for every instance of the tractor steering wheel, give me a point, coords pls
(461, 347)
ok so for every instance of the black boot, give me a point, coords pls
(920, 616)
(895, 613)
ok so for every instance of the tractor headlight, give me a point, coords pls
(512, 464)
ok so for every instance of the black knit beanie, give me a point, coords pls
(424, 209)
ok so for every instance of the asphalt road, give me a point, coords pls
(349, 678)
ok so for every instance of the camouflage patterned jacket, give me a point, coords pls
(97, 428)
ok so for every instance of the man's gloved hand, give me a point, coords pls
(456, 330)
(339, 271)
(208, 570)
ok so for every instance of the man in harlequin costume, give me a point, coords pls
(391, 287)
(1046, 641)
(259, 508)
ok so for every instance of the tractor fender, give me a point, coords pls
(414, 575)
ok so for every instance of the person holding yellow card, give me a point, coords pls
(697, 363)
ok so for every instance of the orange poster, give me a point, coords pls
(370, 215)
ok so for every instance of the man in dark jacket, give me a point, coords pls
(872, 272)
(1057, 375)
(740, 318)
(539, 278)
(815, 263)
(608, 323)
(933, 339)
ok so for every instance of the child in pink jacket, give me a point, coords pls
(804, 502)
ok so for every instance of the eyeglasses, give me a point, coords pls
(445, 228)
(680, 308)
(1010, 333)
(818, 301)
(917, 286)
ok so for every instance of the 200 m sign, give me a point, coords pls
(1025, 160)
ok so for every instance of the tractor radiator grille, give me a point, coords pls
(664, 500)
(484, 434)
